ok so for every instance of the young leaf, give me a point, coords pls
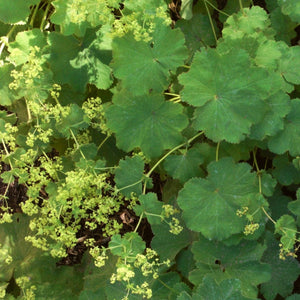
(129, 175)
(149, 63)
(185, 166)
(21, 47)
(147, 122)
(75, 121)
(151, 207)
(209, 205)
(127, 246)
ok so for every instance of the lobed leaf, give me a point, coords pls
(209, 205)
(147, 122)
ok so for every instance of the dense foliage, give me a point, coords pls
(156, 148)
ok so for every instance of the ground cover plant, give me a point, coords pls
(149, 149)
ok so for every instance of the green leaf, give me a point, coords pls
(185, 166)
(74, 121)
(229, 289)
(290, 8)
(96, 279)
(185, 262)
(283, 25)
(252, 22)
(6, 94)
(241, 261)
(184, 296)
(283, 272)
(286, 227)
(15, 11)
(278, 106)
(288, 139)
(127, 246)
(147, 122)
(166, 244)
(151, 207)
(76, 17)
(290, 65)
(92, 60)
(229, 103)
(197, 32)
(167, 287)
(209, 205)
(62, 50)
(149, 63)
(21, 47)
(186, 9)
(285, 171)
(129, 175)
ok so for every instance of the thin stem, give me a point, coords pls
(172, 150)
(241, 6)
(77, 144)
(139, 222)
(35, 10)
(185, 66)
(28, 112)
(172, 94)
(130, 185)
(217, 151)
(269, 217)
(45, 16)
(218, 10)
(211, 21)
(255, 161)
(102, 143)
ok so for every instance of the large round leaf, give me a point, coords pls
(147, 122)
(228, 92)
(209, 205)
(145, 66)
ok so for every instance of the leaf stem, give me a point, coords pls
(45, 16)
(77, 144)
(102, 143)
(218, 10)
(211, 21)
(269, 217)
(217, 151)
(172, 150)
(139, 222)
(241, 6)
(35, 10)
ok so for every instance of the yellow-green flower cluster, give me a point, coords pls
(168, 211)
(140, 23)
(27, 289)
(94, 110)
(147, 263)
(99, 255)
(93, 11)
(4, 255)
(30, 71)
(251, 228)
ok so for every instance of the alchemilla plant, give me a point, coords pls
(149, 149)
